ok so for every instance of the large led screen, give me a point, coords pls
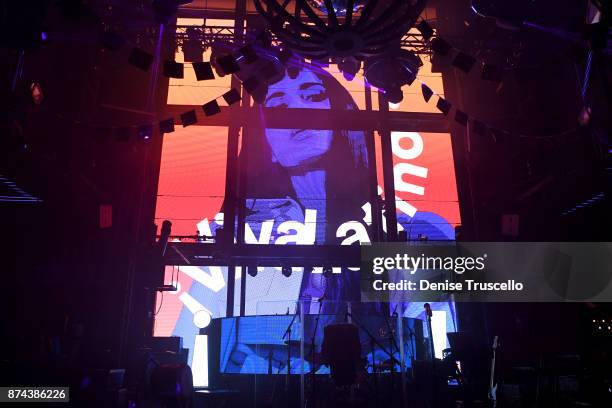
(303, 186)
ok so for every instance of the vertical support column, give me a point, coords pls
(137, 316)
(243, 282)
(450, 25)
(387, 161)
(231, 171)
(375, 230)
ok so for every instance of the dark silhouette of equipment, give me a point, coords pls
(341, 350)
(173, 384)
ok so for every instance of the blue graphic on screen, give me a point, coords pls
(263, 344)
(307, 187)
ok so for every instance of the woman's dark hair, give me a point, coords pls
(345, 163)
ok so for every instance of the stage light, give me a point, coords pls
(252, 270)
(232, 96)
(286, 271)
(203, 71)
(327, 271)
(363, 36)
(37, 93)
(461, 117)
(227, 64)
(211, 108)
(339, 6)
(425, 29)
(584, 117)
(349, 67)
(391, 71)
(189, 118)
(145, 132)
(443, 106)
(173, 69)
(395, 95)
(192, 45)
(427, 92)
(394, 106)
(249, 54)
(166, 125)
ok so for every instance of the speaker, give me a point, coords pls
(341, 349)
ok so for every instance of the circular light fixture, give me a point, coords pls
(252, 270)
(358, 29)
(391, 71)
(339, 6)
(349, 67)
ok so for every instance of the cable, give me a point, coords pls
(161, 302)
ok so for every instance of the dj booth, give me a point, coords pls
(285, 357)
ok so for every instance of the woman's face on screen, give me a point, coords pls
(294, 147)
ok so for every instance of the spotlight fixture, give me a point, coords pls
(192, 45)
(359, 29)
(265, 66)
(394, 95)
(391, 71)
(327, 271)
(252, 270)
(37, 93)
(286, 271)
(585, 116)
(340, 6)
(349, 67)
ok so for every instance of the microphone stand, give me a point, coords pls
(392, 344)
(312, 352)
(391, 331)
(428, 315)
(374, 370)
(412, 343)
(288, 335)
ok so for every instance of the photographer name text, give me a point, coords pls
(469, 285)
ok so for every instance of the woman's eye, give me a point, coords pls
(317, 97)
(276, 104)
